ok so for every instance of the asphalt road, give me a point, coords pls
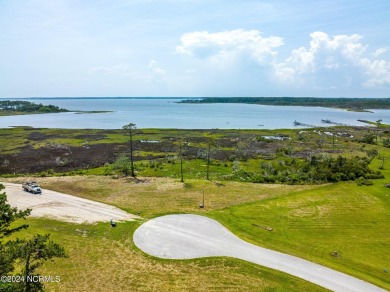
(63, 207)
(189, 236)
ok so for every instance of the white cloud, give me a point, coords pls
(333, 62)
(115, 69)
(378, 72)
(286, 74)
(337, 63)
(325, 52)
(380, 51)
(228, 44)
(155, 69)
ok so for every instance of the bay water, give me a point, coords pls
(168, 113)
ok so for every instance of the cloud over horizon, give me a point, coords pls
(202, 44)
(194, 48)
(334, 62)
(325, 63)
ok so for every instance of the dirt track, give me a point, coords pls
(63, 207)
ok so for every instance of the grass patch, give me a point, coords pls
(311, 224)
(102, 258)
(155, 196)
(308, 221)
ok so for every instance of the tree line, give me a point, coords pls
(346, 103)
(29, 107)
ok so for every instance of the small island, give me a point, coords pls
(352, 104)
(20, 107)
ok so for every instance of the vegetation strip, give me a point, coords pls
(14, 107)
(263, 156)
(354, 104)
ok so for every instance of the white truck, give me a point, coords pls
(32, 187)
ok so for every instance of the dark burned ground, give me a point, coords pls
(61, 157)
(39, 150)
(57, 157)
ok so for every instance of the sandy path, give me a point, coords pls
(63, 207)
(191, 236)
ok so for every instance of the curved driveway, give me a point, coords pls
(189, 236)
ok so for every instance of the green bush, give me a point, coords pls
(361, 181)
(368, 138)
(316, 169)
(386, 143)
(122, 164)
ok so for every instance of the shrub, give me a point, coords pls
(361, 181)
(122, 164)
(386, 143)
(368, 138)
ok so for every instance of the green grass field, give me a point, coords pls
(102, 258)
(308, 221)
(312, 224)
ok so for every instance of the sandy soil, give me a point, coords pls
(63, 207)
(189, 236)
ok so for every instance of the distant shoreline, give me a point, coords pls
(347, 103)
(22, 107)
(108, 97)
(350, 104)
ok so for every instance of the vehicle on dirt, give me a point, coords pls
(31, 187)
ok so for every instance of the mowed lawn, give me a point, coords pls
(352, 220)
(344, 218)
(102, 258)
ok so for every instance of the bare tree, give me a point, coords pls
(181, 160)
(208, 161)
(211, 143)
(130, 130)
(378, 124)
(333, 138)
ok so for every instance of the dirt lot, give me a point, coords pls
(63, 207)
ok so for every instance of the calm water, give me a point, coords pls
(166, 113)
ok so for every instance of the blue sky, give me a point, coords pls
(194, 48)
